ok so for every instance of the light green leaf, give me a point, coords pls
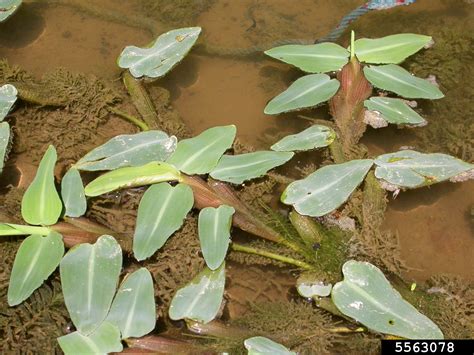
(390, 49)
(307, 91)
(314, 58)
(411, 169)
(161, 212)
(133, 309)
(4, 143)
(394, 111)
(201, 299)
(327, 188)
(147, 174)
(129, 150)
(200, 154)
(7, 94)
(41, 203)
(89, 278)
(158, 59)
(104, 340)
(261, 345)
(239, 168)
(316, 136)
(18, 229)
(214, 234)
(366, 296)
(311, 285)
(72, 192)
(394, 78)
(35, 260)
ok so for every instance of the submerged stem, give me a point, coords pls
(278, 257)
(139, 123)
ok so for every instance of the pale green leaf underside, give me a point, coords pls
(390, 49)
(314, 58)
(366, 296)
(239, 168)
(18, 229)
(261, 345)
(394, 78)
(327, 188)
(201, 299)
(147, 174)
(4, 143)
(161, 212)
(36, 259)
(316, 136)
(200, 154)
(314, 289)
(133, 309)
(8, 95)
(214, 233)
(129, 150)
(158, 59)
(89, 278)
(411, 169)
(8, 8)
(104, 340)
(41, 203)
(307, 91)
(72, 192)
(394, 111)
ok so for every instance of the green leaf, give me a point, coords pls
(4, 143)
(394, 111)
(307, 91)
(72, 192)
(366, 296)
(239, 168)
(394, 78)
(7, 95)
(161, 212)
(314, 58)
(261, 345)
(214, 234)
(18, 229)
(201, 299)
(133, 309)
(158, 59)
(327, 188)
(311, 285)
(316, 136)
(89, 278)
(35, 260)
(41, 203)
(129, 150)
(390, 49)
(411, 169)
(104, 340)
(200, 154)
(147, 174)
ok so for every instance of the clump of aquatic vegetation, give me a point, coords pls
(107, 307)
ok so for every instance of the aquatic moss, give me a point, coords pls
(448, 300)
(33, 326)
(370, 242)
(176, 263)
(296, 324)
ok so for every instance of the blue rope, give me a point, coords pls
(361, 10)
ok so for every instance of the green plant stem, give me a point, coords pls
(267, 254)
(139, 123)
(352, 44)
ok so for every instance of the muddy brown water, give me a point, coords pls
(434, 224)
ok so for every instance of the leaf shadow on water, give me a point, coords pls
(24, 28)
